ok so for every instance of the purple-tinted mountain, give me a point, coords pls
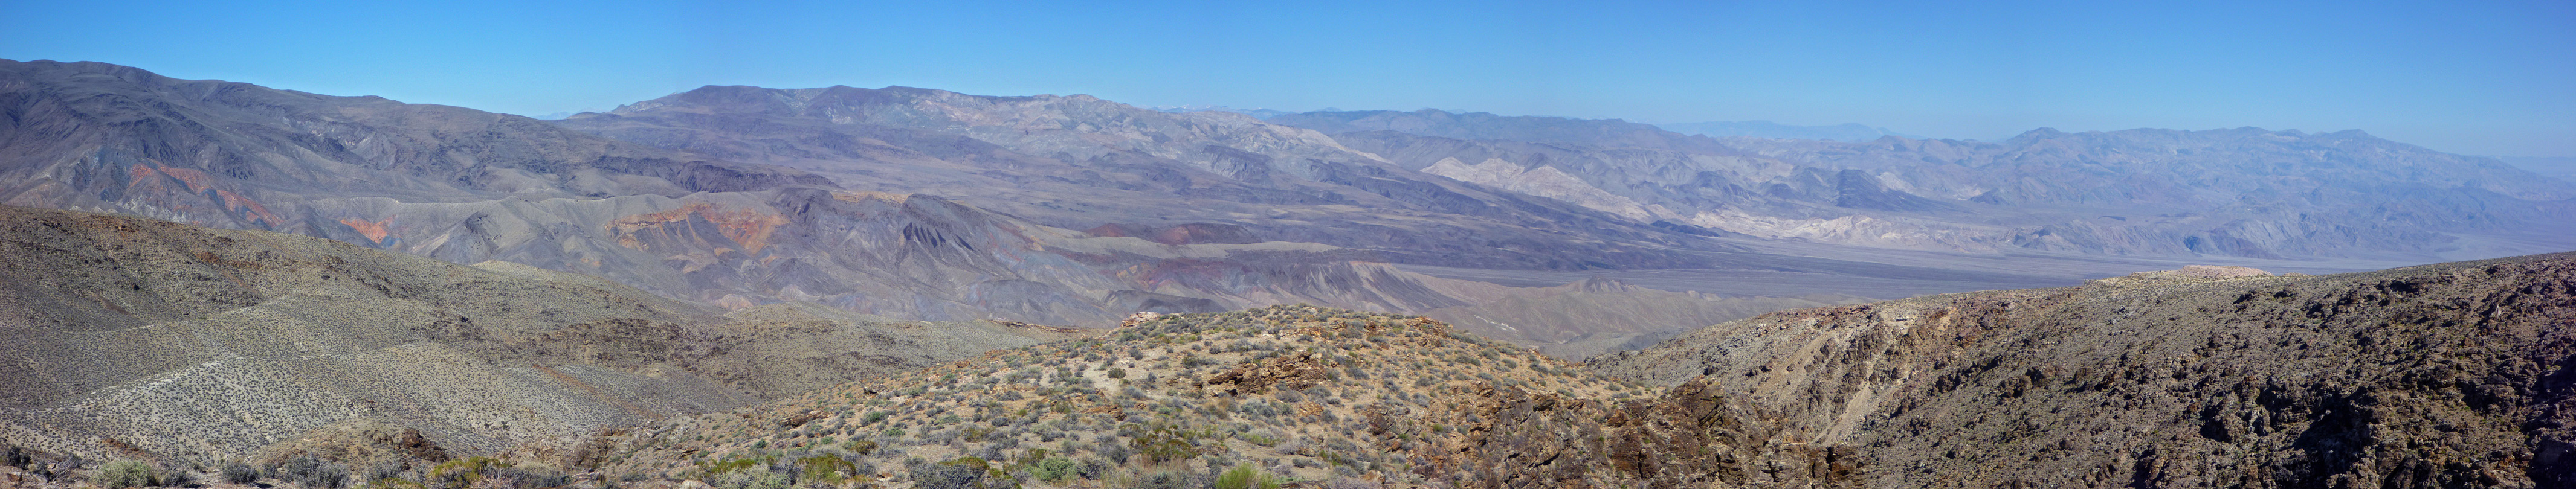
(1080, 162)
(1052, 210)
(1846, 132)
(2146, 192)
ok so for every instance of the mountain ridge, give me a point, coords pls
(2279, 381)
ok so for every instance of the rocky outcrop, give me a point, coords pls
(2434, 376)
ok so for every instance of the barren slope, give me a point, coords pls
(1305, 394)
(2450, 375)
(133, 337)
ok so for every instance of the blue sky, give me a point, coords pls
(2490, 78)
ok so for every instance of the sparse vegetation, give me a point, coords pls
(1246, 477)
(238, 473)
(124, 474)
(1272, 395)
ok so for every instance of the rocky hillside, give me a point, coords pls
(2450, 375)
(2447, 375)
(2436, 376)
(1299, 394)
(123, 337)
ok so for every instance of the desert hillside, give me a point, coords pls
(136, 338)
(2436, 376)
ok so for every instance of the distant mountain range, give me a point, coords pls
(1255, 113)
(2560, 167)
(1128, 210)
(926, 204)
(1845, 132)
(2241, 192)
(379, 283)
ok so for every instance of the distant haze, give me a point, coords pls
(2563, 167)
(2462, 77)
(1848, 132)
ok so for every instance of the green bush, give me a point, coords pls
(958, 473)
(862, 447)
(752, 479)
(1246, 477)
(1053, 469)
(125, 473)
(1165, 443)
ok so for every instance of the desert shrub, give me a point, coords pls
(1246, 477)
(125, 473)
(1163, 480)
(873, 417)
(760, 478)
(862, 447)
(1350, 483)
(939, 437)
(1093, 469)
(237, 473)
(959, 473)
(826, 468)
(1053, 469)
(528, 477)
(1262, 409)
(1117, 454)
(989, 452)
(1340, 444)
(314, 473)
(1164, 443)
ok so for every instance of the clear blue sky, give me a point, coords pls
(2492, 78)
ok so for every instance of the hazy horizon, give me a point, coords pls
(2484, 79)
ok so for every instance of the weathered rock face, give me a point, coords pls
(2448, 375)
